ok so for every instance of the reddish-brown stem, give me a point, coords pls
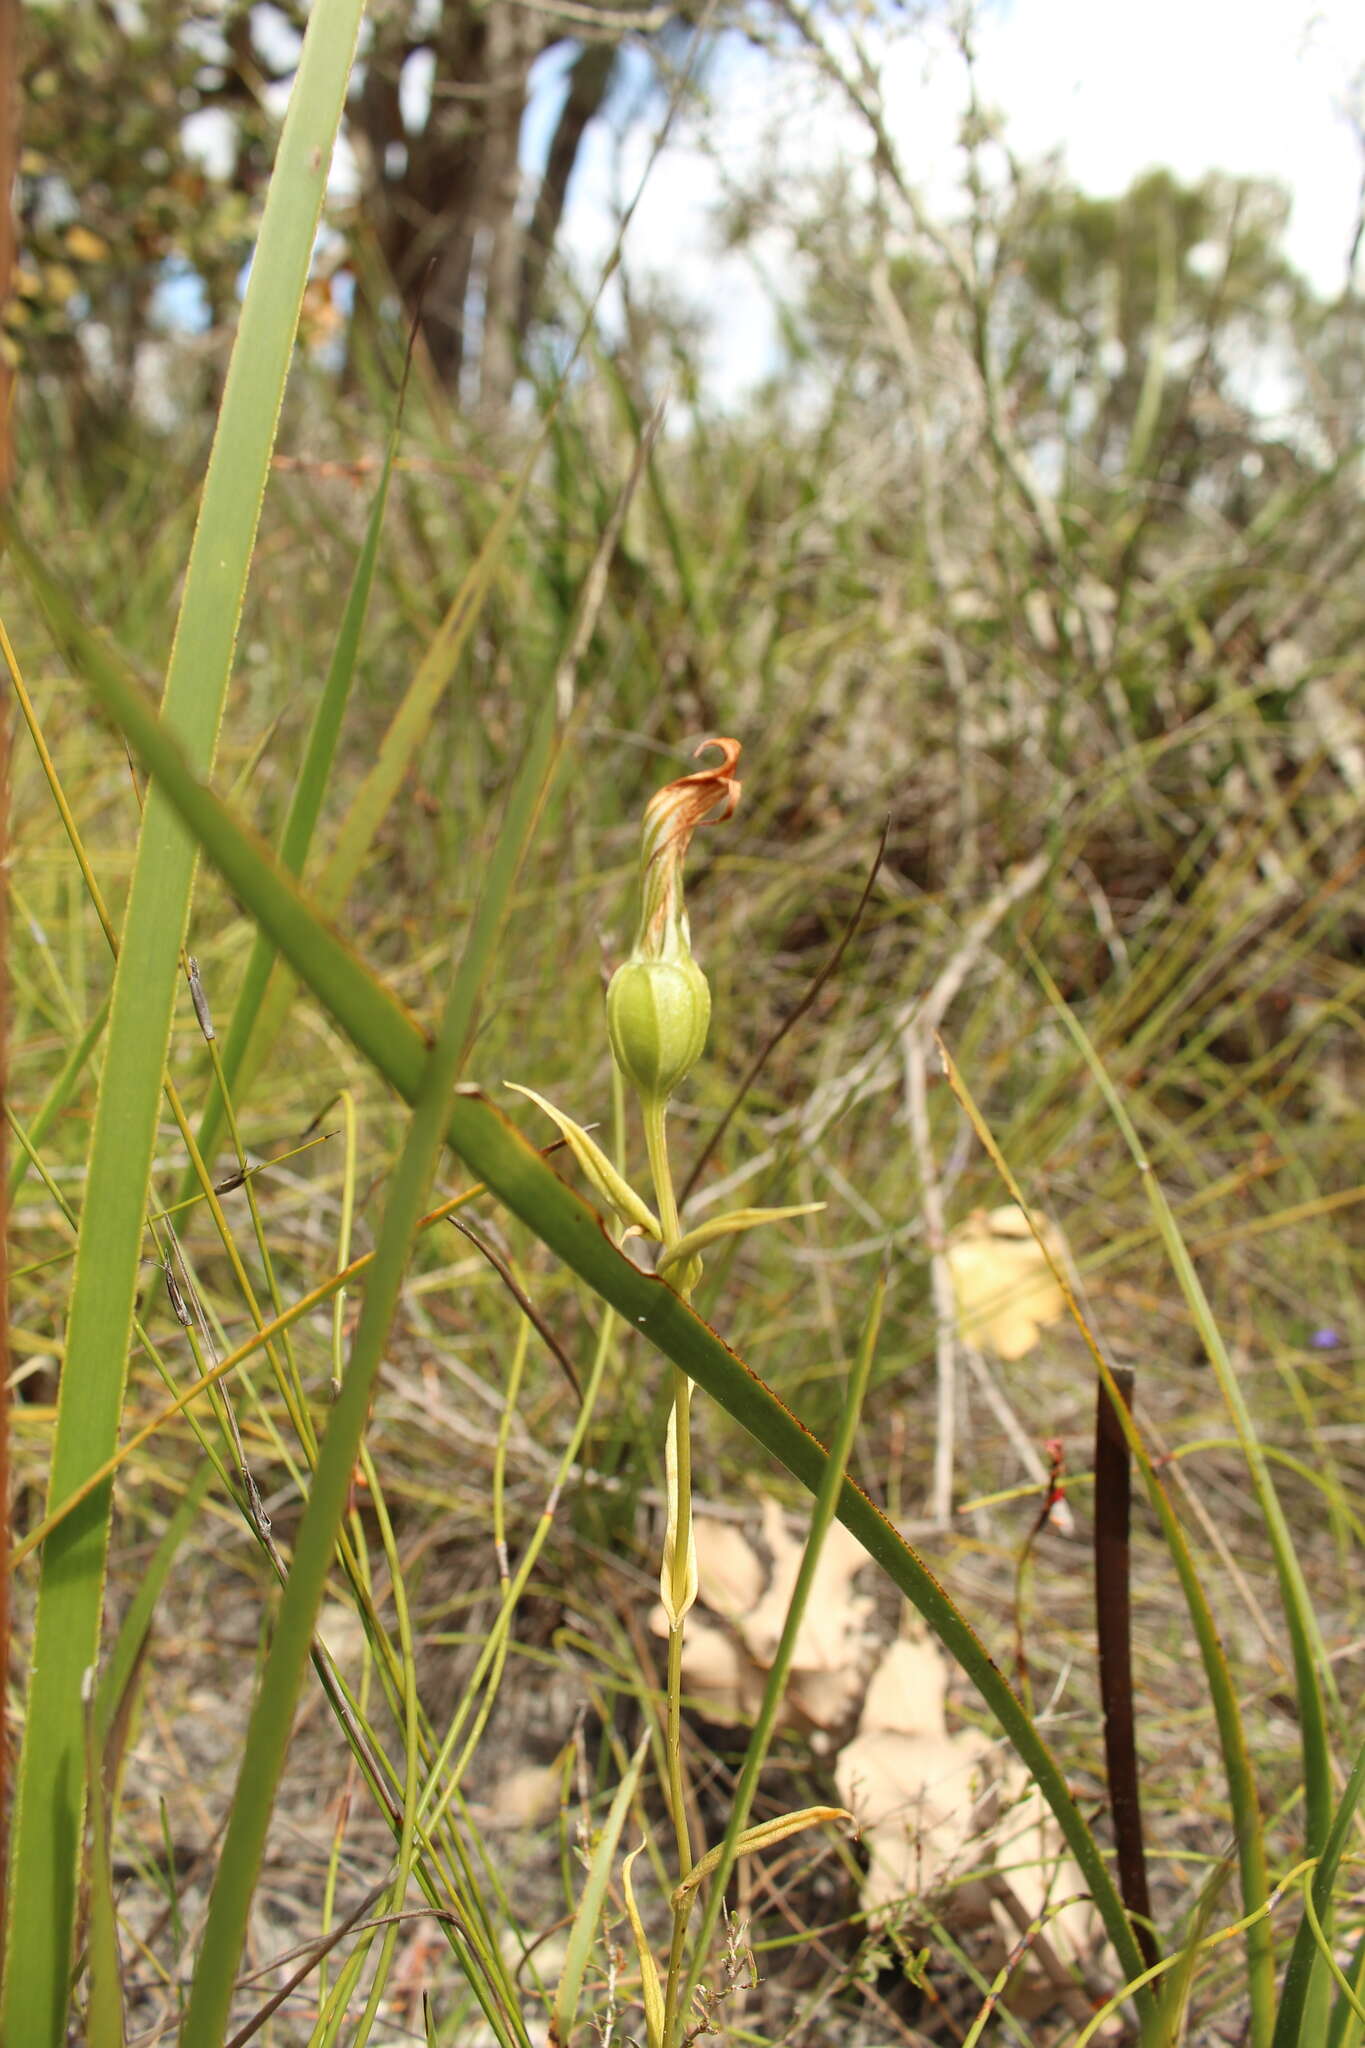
(1113, 1628)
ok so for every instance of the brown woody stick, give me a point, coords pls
(1113, 1628)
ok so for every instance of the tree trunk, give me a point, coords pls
(443, 202)
(513, 43)
(589, 83)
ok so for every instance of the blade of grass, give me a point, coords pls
(1175, 1989)
(59, 1094)
(1346, 2031)
(1304, 1959)
(132, 1635)
(316, 1297)
(104, 2007)
(385, 1034)
(51, 1796)
(272, 1715)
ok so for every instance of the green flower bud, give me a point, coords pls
(658, 1013)
(658, 1004)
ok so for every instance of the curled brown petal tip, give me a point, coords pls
(672, 815)
(706, 796)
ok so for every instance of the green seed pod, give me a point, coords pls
(658, 1012)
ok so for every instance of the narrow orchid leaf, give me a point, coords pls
(651, 1990)
(614, 1189)
(694, 1241)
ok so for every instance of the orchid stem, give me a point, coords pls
(656, 1144)
(678, 1551)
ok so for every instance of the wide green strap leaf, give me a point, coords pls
(382, 1030)
(50, 1804)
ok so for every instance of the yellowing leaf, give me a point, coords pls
(651, 1991)
(677, 1579)
(753, 1841)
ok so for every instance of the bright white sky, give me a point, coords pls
(1258, 89)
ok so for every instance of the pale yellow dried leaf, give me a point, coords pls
(651, 1991)
(523, 1798)
(915, 1798)
(833, 1635)
(907, 1692)
(1006, 1294)
(753, 1841)
(729, 1571)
